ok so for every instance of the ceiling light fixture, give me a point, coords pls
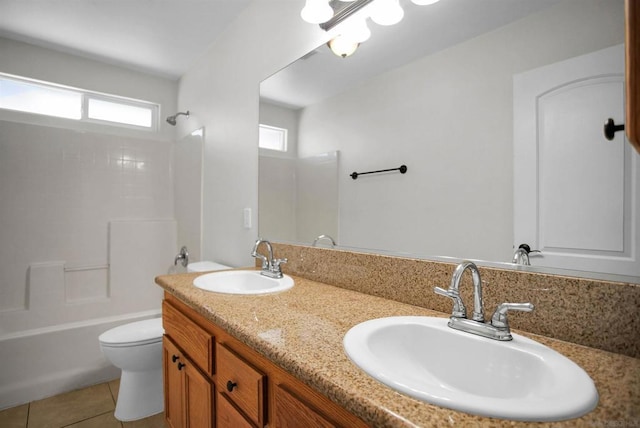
(331, 13)
(316, 11)
(386, 12)
(342, 46)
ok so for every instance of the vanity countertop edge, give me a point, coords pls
(301, 331)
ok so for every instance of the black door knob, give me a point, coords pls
(174, 358)
(231, 385)
(181, 365)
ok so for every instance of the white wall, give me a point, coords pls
(86, 222)
(187, 193)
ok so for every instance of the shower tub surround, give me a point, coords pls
(301, 330)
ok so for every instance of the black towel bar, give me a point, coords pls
(402, 169)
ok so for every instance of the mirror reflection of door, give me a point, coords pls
(562, 161)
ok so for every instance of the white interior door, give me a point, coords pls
(576, 194)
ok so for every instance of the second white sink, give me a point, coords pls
(242, 282)
(424, 358)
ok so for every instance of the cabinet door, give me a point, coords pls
(188, 393)
(173, 385)
(198, 398)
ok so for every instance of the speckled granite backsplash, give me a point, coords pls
(598, 314)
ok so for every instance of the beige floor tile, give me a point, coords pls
(71, 407)
(155, 421)
(15, 417)
(106, 420)
(114, 386)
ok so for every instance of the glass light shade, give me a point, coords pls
(316, 11)
(386, 12)
(343, 46)
(356, 30)
(424, 2)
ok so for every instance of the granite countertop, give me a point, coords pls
(301, 330)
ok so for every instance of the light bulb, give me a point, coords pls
(316, 11)
(343, 46)
(386, 12)
(424, 2)
(357, 30)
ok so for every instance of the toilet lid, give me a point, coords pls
(135, 333)
(206, 266)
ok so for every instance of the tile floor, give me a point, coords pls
(90, 407)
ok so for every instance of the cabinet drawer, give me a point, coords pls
(291, 412)
(196, 342)
(228, 416)
(241, 383)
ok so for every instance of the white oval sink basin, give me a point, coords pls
(242, 282)
(520, 379)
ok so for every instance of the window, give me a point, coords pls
(120, 113)
(32, 98)
(52, 100)
(272, 138)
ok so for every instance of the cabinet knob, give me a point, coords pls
(231, 385)
(181, 365)
(174, 358)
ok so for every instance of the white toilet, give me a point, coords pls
(136, 349)
(206, 266)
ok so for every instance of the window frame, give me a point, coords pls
(276, 128)
(87, 95)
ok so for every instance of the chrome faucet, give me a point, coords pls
(182, 256)
(270, 266)
(327, 237)
(521, 255)
(498, 328)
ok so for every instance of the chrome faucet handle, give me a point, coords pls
(459, 310)
(275, 265)
(499, 318)
(278, 262)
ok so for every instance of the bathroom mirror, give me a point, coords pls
(435, 93)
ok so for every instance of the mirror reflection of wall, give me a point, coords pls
(448, 117)
(298, 197)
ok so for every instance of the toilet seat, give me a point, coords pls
(133, 334)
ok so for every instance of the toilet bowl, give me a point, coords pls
(136, 349)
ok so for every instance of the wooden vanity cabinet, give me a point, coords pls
(236, 387)
(188, 393)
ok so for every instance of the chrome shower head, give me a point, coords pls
(171, 120)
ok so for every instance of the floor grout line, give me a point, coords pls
(28, 422)
(87, 418)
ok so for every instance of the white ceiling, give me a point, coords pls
(164, 37)
(161, 37)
